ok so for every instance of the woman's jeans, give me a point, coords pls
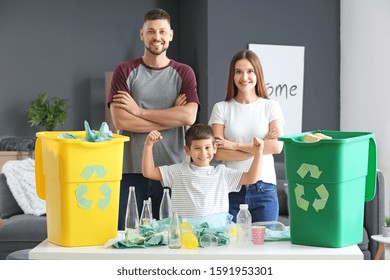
(262, 200)
(144, 188)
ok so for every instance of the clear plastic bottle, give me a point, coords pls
(132, 218)
(146, 214)
(174, 231)
(208, 240)
(244, 224)
(166, 205)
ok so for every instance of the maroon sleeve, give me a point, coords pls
(120, 76)
(118, 82)
(189, 84)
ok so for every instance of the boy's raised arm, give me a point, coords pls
(149, 170)
(253, 174)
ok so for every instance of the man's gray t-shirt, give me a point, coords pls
(156, 89)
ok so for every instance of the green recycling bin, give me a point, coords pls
(328, 183)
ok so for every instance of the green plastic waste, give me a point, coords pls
(156, 233)
(104, 134)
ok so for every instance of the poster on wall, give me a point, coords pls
(283, 68)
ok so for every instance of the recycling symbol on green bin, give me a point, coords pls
(82, 189)
(318, 203)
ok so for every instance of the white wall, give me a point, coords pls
(365, 75)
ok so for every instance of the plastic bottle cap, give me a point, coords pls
(233, 231)
(243, 206)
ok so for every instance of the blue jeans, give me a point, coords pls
(144, 188)
(262, 201)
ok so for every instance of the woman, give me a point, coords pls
(248, 112)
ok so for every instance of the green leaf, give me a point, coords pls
(46, 113)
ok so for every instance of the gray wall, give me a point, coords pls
(193, 48)
(63, 48)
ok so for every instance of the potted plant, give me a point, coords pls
(46, 113)
(386, 227)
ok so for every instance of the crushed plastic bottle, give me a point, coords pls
(189, 240)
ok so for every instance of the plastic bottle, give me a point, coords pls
(174, 231)
(146, 214)
(208, 240)
(132, 218)
(166, 205)
(189, 240)
(244, 224)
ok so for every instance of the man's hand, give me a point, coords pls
(124, 101)
(153, 137)
(181, 100)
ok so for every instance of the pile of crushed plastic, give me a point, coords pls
(274, 231)
(104, 134)
(220, 225)
(157, 232)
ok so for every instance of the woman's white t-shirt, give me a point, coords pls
(244, 121)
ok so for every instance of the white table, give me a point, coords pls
(382, 241)
(281, 250)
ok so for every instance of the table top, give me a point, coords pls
(381, 238)
(270, 250)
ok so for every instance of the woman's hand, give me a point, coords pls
(222, 143)
(272, 135)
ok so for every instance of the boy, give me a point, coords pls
(199, 189)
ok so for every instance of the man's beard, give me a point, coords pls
(156, 52)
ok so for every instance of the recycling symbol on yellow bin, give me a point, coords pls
(318, 203)
(82, 189)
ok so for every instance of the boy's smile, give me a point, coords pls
(201, 152)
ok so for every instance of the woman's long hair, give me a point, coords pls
(261, 88)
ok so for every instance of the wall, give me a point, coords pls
(193, 46)
(64, 48)
(365, 60)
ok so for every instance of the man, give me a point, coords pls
(151, 92)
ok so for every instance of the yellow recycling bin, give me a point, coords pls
(80, 182)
